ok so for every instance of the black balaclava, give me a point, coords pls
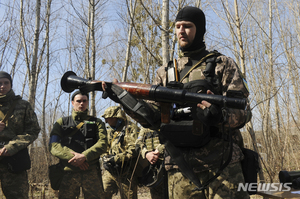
(6, 75)
(196, 16)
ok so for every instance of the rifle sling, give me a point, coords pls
(131, 103)
(223, 166)
(185, 169)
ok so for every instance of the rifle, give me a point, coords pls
(70, 81)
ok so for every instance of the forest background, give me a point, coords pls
(129, 39)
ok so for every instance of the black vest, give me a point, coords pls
(185, 130)
(83, 139)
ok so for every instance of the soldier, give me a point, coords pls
(18, 128)
(197, 131)
(154, 175)
(78, 141)
(120, 162)
(199, 137)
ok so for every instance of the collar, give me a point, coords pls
(79, 115)
(8, 97)
(191, 53)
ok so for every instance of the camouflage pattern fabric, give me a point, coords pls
(22, 128)
(229, 74)
(124, 156)
(14, 185)
(231, 78)
(90, 181)
(147, 141)
(224, 186)
(207, 159)
(112, 184)
(117, 112)
(114, 112)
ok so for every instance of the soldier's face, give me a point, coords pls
(185, 32)
(112, 121)
(80, 102)
(5, 86)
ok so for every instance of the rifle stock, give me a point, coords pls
(70, 82)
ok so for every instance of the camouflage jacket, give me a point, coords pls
(92, 154)
(22, 127)
(148, 141)
(230, 78)
(123, 148)
(131, 129)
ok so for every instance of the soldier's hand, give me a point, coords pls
(104, 84)
(77, 160)
(209, 114)
(4, 152)
(152, 156)
(84, 166)
(107, 92)
(2, 126)
(205, 104)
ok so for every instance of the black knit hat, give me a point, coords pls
(79, 92)
(4, 74)
(195, 15)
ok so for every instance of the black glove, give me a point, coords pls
(109, 93)
(109, 162)
(210, 116)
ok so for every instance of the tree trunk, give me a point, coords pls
(93, 58)
(131, 11)
(165, 32)
(249, 126)
(33, 73)
(43, 126)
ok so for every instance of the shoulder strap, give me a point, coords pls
(197, 64)
(9, 112)
(184, 167)
(77, 127)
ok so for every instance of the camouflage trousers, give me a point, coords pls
(225, 186)
(90, 182)
(14, 185)
(112, 184)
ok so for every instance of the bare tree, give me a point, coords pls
(131, 13)
(165, 32)
(43, 123)
(33, 74)
(93, 56)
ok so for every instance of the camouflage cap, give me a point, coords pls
(114, 111)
